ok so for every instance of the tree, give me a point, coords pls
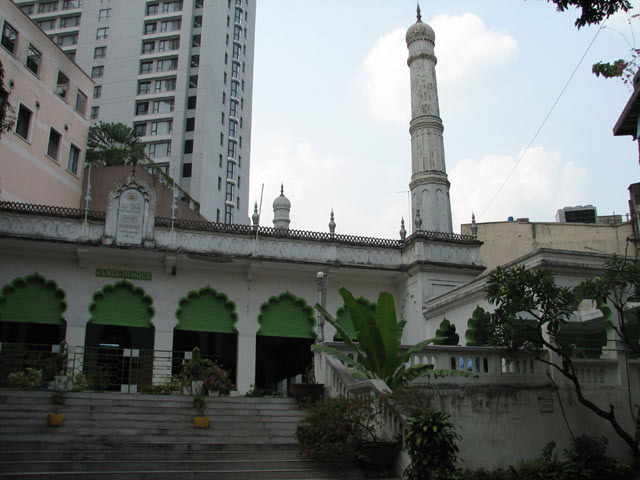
(379, 336)
(530, 300)
(592, 11)
(7, 112)
(114, 144)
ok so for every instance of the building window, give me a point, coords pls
(146, 67)
(102, 33)
(188, 146)
(237, 33)
(169, 45)
(97, 91)
(197, 21)
(9, 37)
(34, 58)
(71, 55)
(195, 61)
(170, 7)
(97, 72)
(235, 70)
(238, 202)
(67, 40)
(233, 108)
(231, 151)
(224, 78)
(193, 81)
(224, 98)
(238, 16)
(148, 47)
(54, 144)
(27, 9)
(23, 124)
(150, 27)
(142, 108)
(152, 9)
(104, 14)
(162, 149)
(169, 25)
(234, 89)
(195, 41)
(236, 51)
(163, 106)
(95, 111)
(191, 124)
(68, 22)
(219, 183)
(140, 129)
(81, 103)
(161, 128)
(49, 24)
(199, 3)
(144, 88)
(220, 160)
(228, 214)
(186, 170)
(191, 102)
(74, 157)
(167, 85)
(233, 128)
(70, 4)
(46, 7)
(167, 64)
(238, 183)
(230, 171)
(62, 85)
(222, 118)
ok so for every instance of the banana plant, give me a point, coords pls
(379, 335)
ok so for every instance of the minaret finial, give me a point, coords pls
(282, 188)
(418, 15)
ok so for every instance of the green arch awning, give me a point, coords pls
(207, 310)
(122, 303)
(32, 299)
(286, 316)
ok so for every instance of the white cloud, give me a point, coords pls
(543, 183)
(316, 181)
(464, 47)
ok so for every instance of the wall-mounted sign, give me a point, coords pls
(128, 274)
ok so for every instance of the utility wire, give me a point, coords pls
(544, 121)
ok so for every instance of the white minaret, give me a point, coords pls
(281, 209)
(429, 185)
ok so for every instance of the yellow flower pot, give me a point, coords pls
(55, 419)
(201, 422)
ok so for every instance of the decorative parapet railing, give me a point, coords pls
(230, 240)
(50, 211)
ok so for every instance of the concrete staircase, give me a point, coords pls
(133, 436)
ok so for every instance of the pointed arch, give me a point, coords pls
(286, 316)
(206, 310)
(122, 303)
(33, 299)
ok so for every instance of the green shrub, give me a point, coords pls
(27, 379)
(431, 444)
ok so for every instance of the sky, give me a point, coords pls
(331, 111)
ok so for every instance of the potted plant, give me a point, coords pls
(200, 403)
(197, 370)
(59, 386)
(218, 382)
(309, 390)
(342, 428)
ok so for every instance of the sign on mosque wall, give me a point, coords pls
(128, 274)
(130, 217)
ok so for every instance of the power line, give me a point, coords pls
(544, 121)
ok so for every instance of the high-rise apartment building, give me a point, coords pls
(180, 72)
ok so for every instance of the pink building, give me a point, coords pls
(42, 157)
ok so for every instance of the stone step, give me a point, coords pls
(204, 445)
(146, 455)
(317, 473)
(151, 421)
(194, 437)
(158, 465)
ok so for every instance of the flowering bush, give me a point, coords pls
(333, 428)
(218, 380)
